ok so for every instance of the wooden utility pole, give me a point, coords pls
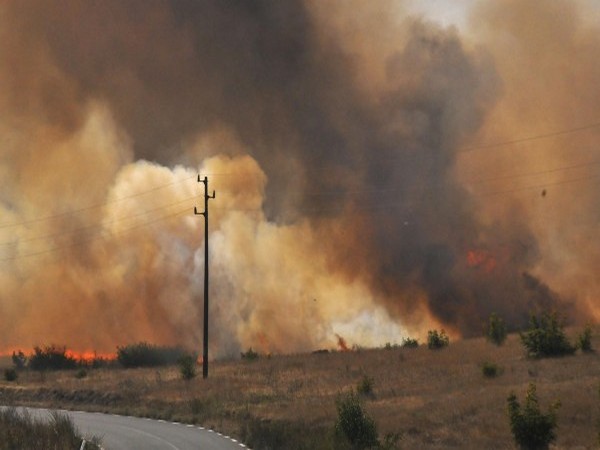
(205, 214)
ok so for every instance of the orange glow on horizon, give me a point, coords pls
(89, 355)
(84, 355)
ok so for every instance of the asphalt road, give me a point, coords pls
(132, 433)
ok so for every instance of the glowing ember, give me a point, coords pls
(89, 356)
(86, 356)
(482, 260)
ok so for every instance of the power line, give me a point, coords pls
(383, 190)
(532, 138)
(204, 213)
(541, 186)
(91, 239)
(83, 229)
(87, 208)
(334, 193)
(226, 174)
(365, 208)
(540, 172)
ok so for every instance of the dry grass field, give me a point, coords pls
(435, 398)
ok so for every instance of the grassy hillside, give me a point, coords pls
(434, 398)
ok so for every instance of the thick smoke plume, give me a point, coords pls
(355, 197)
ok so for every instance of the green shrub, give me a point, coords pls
(19, 360)
(10, 374)
(490, 369)
(250, 355)
(390, 441)
(353, 424)
(532, 429)
(365, 386)
(584, 340)
(410, 343)
(187, 367)
(51, 358)
(144, 354)
(496, 330)
(546, 337)
(81, 373)
(437, 340)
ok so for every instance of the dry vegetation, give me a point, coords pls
(435, 399)
(20, 430)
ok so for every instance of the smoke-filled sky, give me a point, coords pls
(380, 168)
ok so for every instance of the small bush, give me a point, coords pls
(148, 355)
(187, 367)
(10, 374)
(97, 362)
(51, 358)
(496, 330)
(437, 340)
(546, 337)
(584, 340)
(282, 434)
(390, 441)
(353, 423)
(250, 355)
(410, 343)
(532, 429)
(365, 387)
(19, 360)
(81, 373)
(490, 369)
(206, 408)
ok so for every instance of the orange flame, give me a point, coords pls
(89, 355)
(263, 342)
(85, 355)
(482, 260)
(342, 343)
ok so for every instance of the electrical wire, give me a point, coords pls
(384, 207)
(226, 174)
(86, 228)
(429, 189)
(531, 138)
(333, 193)
(540, 186)
(90, 207)
(541, 172)
(91, 239)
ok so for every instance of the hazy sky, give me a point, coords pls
(444, 12)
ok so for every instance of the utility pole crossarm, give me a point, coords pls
(205, 214)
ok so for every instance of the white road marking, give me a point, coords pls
(149, 435)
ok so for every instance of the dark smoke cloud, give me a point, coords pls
(359, 142)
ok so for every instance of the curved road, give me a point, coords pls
(133, 433)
